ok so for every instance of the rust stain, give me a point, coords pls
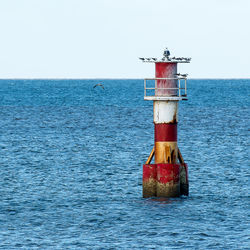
(173, 156)
(180, 157)
(149, 188)
(174, 121)
(150, 156)
(166, 152)
(174, 118)
(168, 190)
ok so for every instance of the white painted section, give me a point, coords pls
(165, 111)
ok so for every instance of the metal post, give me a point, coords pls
(179, 87)
(155, 87)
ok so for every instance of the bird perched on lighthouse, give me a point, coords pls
(166, 53)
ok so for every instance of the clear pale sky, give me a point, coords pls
(104, 38)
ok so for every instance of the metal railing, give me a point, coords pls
(179, 91)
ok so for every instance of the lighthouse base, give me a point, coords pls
(165, 180)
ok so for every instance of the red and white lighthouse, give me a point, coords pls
(168, 176)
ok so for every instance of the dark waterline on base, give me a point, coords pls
(71, 167)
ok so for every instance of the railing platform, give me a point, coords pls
(181, 90)
(164, 98)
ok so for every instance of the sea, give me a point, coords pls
(71, 159)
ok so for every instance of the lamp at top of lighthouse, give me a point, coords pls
(169, 85)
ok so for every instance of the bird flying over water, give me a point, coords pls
(99, 84)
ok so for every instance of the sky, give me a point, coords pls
(104, 38)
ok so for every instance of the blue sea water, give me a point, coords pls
(71, 167)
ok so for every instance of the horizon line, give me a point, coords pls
(114, 78)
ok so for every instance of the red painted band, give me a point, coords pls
(164, 70)
(168, 173)
(166, 132)
(162, 172)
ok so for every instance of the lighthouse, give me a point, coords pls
(168, 175)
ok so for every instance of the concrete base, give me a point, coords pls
(163, 180)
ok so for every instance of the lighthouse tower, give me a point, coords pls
(168, 176)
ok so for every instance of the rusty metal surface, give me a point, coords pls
(151, 156)
(167, 190)
(166, 152)
(180, 157)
